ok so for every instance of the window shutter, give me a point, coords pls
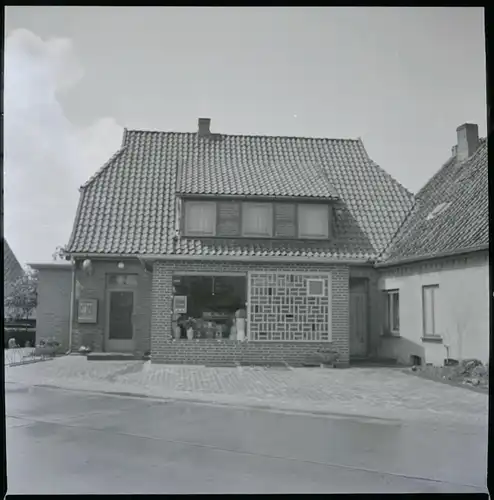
(200, 218)
(228, 219)
(330, 222)
(257, 219)
(285, 220)
(313, 221)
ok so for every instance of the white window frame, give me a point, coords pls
(269, 209)
(315, 280)
(434, 333)
(389, 312)
(203, 204)
(308, 206)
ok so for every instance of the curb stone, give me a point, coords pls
(212, 402)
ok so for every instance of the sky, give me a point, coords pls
(401, 79)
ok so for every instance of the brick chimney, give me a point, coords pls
(203, 127)
(468, 140)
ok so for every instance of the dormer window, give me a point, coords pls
(313, 221)
(257, 220)
(253, 219)
(200, 218)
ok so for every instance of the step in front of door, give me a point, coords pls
(111, 356)
(361, 361)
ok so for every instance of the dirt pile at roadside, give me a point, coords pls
(469, 372)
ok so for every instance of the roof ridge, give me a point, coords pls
(387, 174)
(452, 160)
(254, 136)
(417, 238)
(103, 168)
(472, 166)
(394, 236)
(77, 218)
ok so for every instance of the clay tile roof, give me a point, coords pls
(450, 213)
(129, 205)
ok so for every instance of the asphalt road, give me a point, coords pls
(68, 442)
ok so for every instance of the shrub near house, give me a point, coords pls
(19, 306)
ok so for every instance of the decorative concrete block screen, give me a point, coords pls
(289, 306)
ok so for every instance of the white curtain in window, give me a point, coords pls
(428, 310)
(396, 312)
(392, 311)
(389, 312)
(257, 219)
(200, 218)
(313, 221)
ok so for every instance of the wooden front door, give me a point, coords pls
(358, 318)
(120, 329)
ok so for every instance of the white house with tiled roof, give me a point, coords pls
(435, 273)
(266, 245)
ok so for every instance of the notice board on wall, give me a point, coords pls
(180, 304)
(87, 311)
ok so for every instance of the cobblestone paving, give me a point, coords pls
(375, 392)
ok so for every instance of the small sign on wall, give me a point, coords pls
(87, 311)
(180, 304)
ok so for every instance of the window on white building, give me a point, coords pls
(392, 312)
(429, 308)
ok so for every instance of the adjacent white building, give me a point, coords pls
(434, 277)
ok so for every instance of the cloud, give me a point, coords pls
(46, 158)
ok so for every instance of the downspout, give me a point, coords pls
(72, 299)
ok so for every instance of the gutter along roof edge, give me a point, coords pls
(222, 258)
(452, 253)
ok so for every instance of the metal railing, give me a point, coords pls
(22, 356)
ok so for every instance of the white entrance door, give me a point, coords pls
(120, 330)
(358, 320)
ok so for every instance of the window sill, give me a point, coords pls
(436, 339)
(393, 335)
(259, 238)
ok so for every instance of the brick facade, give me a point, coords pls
(205, 351)
(95, 286)
(161, 323)
(153, 311)
(282, 310)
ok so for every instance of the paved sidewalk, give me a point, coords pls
(372, 392)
